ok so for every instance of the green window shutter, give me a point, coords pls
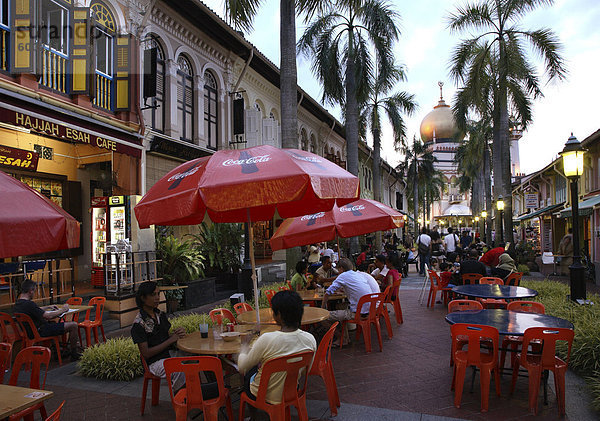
(125, 45)
(22, 41)
(81, 51)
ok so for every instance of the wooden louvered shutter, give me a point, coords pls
(123, 71)
(22, 45)
(81, 57)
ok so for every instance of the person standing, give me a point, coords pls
(424, 247)
(450, 242)
(465, 240)
(565, 251)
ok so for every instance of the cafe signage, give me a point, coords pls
(18, 158)
(57, 130)
(531, 201)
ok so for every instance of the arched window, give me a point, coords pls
(155, 116)
(185, 98)
(303, 140)
(313, 145)
(104, 40)
(211, 111)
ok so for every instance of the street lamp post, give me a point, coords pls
(500, 207)
(572, 156)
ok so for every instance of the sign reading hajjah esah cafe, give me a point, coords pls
(63, 132)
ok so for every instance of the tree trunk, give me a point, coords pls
(288, 75)
(377, 173)
(497, 169)
(351, 109)
(504, 140)
(488, 194)
(415, 198)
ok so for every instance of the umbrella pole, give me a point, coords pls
(253, 265)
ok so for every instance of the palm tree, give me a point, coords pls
(241, 14)
(393, 106)
(419, 168)
(500, 47)
(340, 43)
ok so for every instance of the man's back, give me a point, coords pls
(472, 266)
(491, 257)
(31, 309)
(450, 241)
(355, 286)
(371, 281)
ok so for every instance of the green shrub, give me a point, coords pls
(594, 384)
(190, 322)
(116, 359)
(585, 353)
(524, 269)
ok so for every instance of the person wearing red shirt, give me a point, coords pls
(492, 257)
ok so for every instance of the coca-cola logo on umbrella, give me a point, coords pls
(312, 219)
(247, 162)
(311, 159)
(178, 178)
(356, 209)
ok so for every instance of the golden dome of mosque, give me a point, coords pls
(439, 123)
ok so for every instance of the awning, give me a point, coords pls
(539, 212)
(585, 207)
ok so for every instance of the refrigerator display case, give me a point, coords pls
(100, 235)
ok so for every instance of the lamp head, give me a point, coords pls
(420, 220)
(572, 156)
(500, 204)
(484, 214)
(476, 219)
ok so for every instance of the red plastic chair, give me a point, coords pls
(91, 326)
(269, 293)
(487, 361)
(10, 330)
(5, 357)
(27, 326)
(514, 279)
(490, 280)
(323, 368)
(190, 397)
(364, 323)
(242, 308)
(383, 311)
(33, 357)
(293, 365)
(55, 416)
(394, 299)
(515, 342)
(461, 305)
(435, 286)
(148, 376)
(536, 363)
(471, 278)
(219, 314)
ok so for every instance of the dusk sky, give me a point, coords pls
(425, 47)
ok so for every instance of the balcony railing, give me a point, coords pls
(336, 160)
(54, 70)
(103, 95)
(4, 52)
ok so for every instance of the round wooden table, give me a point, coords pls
(311, 316)
(314, 295)
(508, 322)
(498, 292)
(196, 344)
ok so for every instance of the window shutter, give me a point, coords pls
(123, 70)
(23, 46)
(253, 127)
(269, 132)
(80, 62)
(92, 60)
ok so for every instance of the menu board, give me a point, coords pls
(52, 189)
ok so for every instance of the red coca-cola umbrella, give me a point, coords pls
(30, 223)
(363, 216)
(246, 186)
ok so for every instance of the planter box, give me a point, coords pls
(226, 280)
(199, 292)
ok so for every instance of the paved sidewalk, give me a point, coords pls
(409, 380)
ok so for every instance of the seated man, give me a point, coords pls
(43, 319)
(355, 286)
(492, 257)
(150, 331)
(380, 270)
(288, 309)
(472, 265)
(326, 273)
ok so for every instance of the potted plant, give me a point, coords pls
(221, 245)
(180, 263)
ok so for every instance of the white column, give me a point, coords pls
(171, 124)
(199, 135)
(224, 128)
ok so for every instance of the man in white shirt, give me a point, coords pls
(450, 241)
(355, 286)
(424, 247)
(372, 282)
(288, 309)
